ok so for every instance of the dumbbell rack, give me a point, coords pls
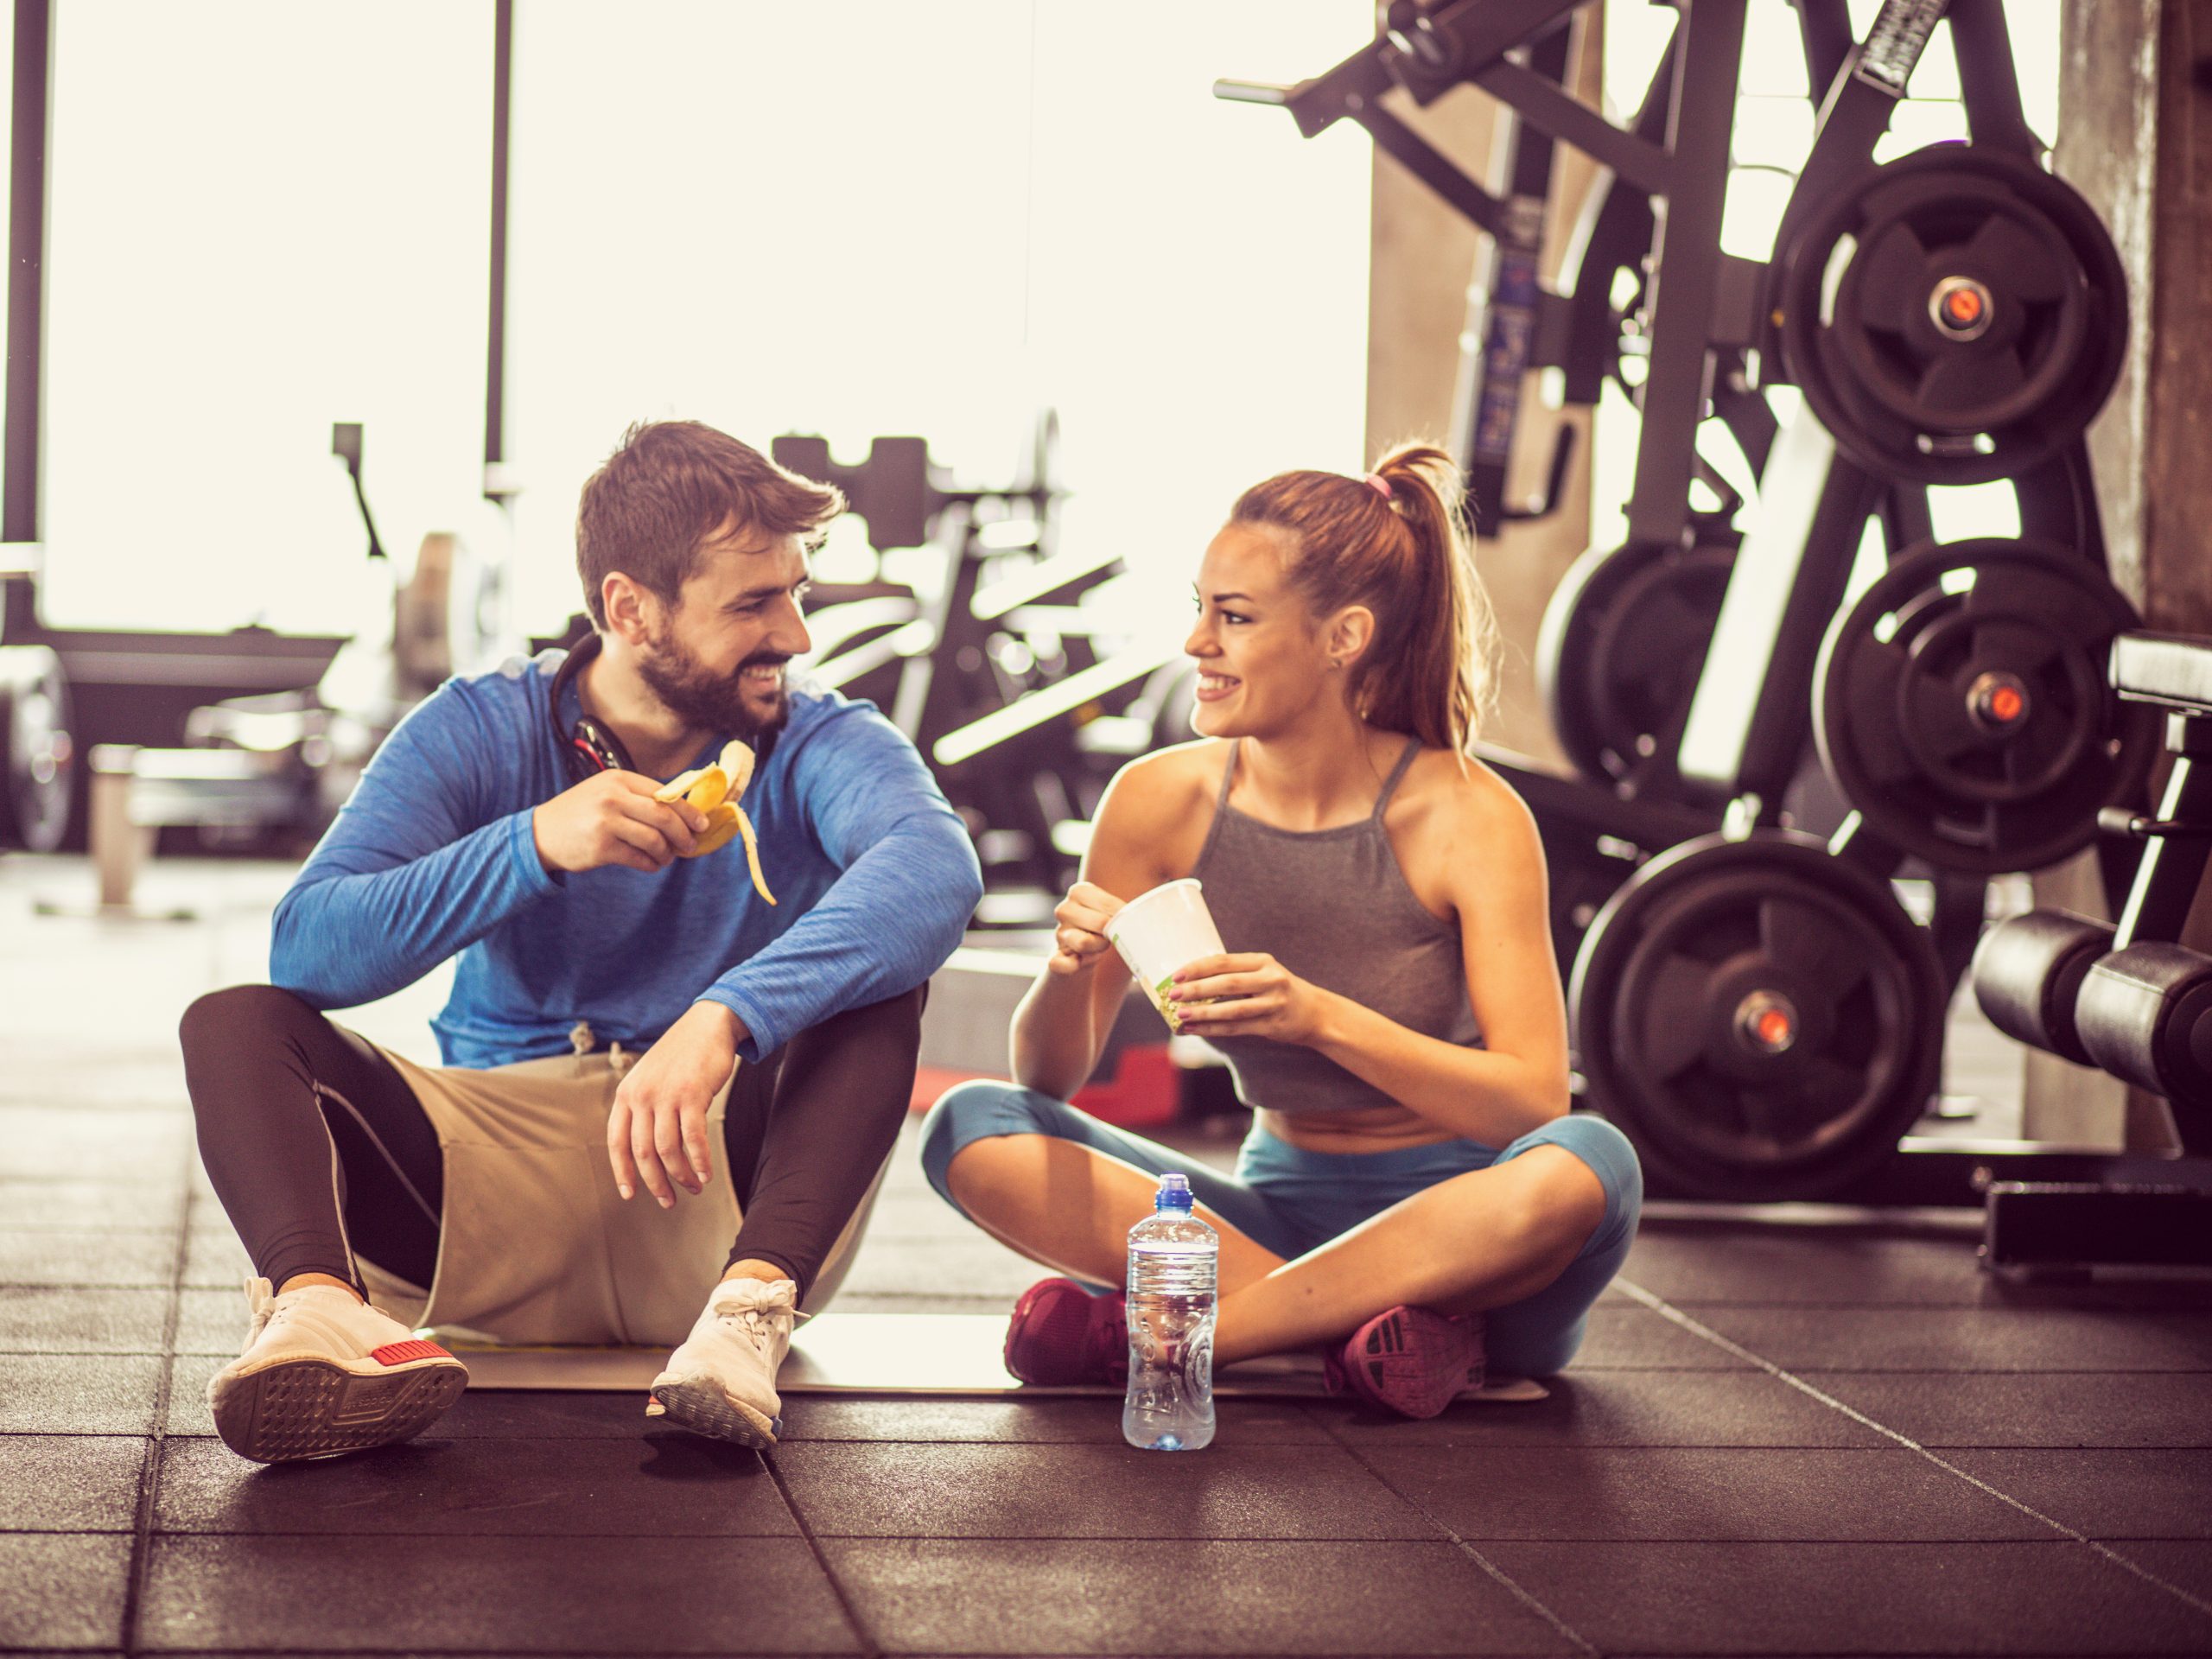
(2127, 998)
(1753, 1004)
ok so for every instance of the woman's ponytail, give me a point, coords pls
(1396, 542)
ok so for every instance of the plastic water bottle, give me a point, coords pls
(1173, 1257)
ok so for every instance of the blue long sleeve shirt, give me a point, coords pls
(433, 856)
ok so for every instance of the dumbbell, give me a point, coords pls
(2143, 1014)
(2028, 972)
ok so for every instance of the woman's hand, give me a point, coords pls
(657, 1132)
(1079, 931)
(1247, 995)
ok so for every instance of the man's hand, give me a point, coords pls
(658, 1131)
(1249, 995)
(613, 818)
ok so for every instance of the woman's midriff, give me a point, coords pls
(1375, 1129)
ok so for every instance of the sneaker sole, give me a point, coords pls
(1414, 1367)
(696, 1403)
(316, 1408)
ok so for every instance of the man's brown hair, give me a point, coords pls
(670, 487)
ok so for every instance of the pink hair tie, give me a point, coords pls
(1379, 484)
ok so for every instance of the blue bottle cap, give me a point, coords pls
(1174, 1193)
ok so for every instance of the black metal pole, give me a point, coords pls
(495, 367)
(27, 170)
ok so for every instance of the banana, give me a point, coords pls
(714, 790)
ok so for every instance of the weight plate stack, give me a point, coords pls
(1762, 1020)
(1958, 317)
(37, 755)
(1961, 705)
(1620, 649)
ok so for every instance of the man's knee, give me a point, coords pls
(222, 1022)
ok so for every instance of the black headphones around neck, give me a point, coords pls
(587, 748)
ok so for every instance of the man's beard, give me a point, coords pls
(699, 696)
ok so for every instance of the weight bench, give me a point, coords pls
(2127, 998)
(135, 792)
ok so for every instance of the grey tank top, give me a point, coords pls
(1333, 907)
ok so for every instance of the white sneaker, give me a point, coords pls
(322, 1372)
(722, 1381)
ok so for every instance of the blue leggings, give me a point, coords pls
(1289, 1201)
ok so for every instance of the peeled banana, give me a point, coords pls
(714, 790)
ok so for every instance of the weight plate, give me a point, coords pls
(1620, 649)
(1961, 705)
(37, 754)
(1958, 317)
(1761, 1019)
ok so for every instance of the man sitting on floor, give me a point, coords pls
(630, 1008)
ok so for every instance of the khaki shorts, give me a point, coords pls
(535, 1245)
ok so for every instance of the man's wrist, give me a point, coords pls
(729, 1022)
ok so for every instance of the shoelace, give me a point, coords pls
(756, 1325)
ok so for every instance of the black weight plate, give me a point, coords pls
(1669, 985)
(1895, 719)
(37, 753)
(1620, 648)
(1855, 296)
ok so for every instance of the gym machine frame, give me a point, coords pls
(1808, 913)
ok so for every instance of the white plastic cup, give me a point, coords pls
(1161, 932)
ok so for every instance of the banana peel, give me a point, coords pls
(714, 789)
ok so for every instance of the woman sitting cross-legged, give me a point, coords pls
(1412, 1196)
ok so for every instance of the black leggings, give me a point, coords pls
(315, 1142)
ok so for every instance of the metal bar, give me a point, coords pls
(29, 128)
(1503, 302)
(1987, 81)
(1432, 167)
(1824, 29)
(1559, 114)
(495, 363)
(1686, 256)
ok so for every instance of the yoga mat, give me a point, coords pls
(892, 1353)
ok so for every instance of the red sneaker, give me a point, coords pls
(1409, 1361)
(1061, 1334)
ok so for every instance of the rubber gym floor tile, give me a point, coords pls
(69, 1483)
(211, 1322)
(79, 1321)
(666, 1483)
(1636, 1339)
(1595, 1408)
(2009, 1599)
(1051, 1596)
(2105, 1493)
(655, 1595)
(546, 1414)
(56, 1206)
(1620, 1493)
(215, 1261)
(1089, 1491)
(64, 1589)
(188, 1379)
(1698, 1263)
(127, 1148)
(2061, 1408)
(2184, 1563)
(1959, 1339)
(112, 1258)
(71, 1394)
(1093, 1420)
